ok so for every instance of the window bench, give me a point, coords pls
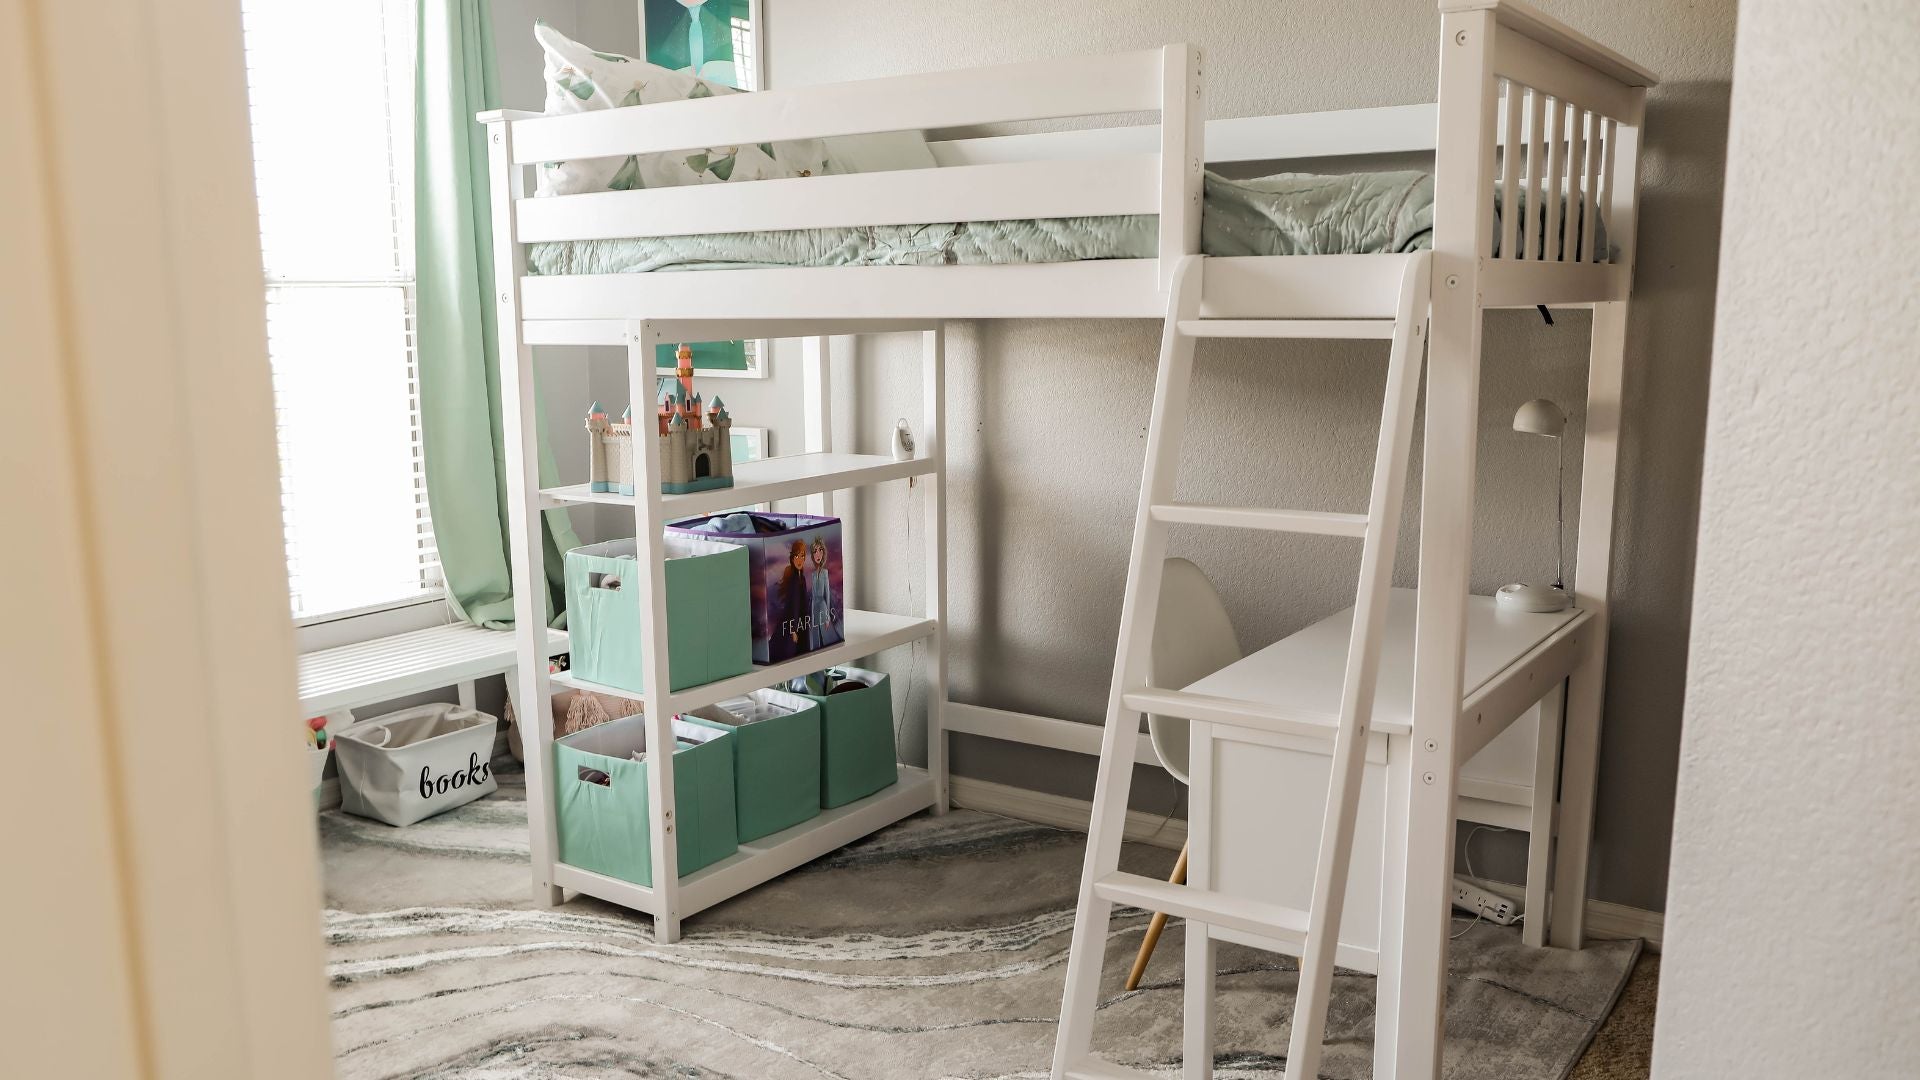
(334, 682)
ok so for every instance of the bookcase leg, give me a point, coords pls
(933, 440)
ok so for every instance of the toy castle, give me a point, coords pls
(696, 446)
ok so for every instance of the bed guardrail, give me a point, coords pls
(1559, 118)
(1165, 181)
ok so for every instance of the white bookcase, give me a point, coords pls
(815, 475)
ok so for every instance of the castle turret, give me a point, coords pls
(683, 369)
(723, 440)
(598, 478)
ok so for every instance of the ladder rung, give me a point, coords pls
(1316, 522)
(1288, 328)
(1093, 1068)
(1288, 924)
(1245, 714)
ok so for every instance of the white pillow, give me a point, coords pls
(582, 80)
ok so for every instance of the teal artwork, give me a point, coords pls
(698, 36)
(748, 445)
(707, 356)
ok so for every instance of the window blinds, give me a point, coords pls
(330, 88)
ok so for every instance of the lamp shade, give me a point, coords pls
(1540, 417)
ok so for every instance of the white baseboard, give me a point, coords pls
(1060, 810)
(1604, 919)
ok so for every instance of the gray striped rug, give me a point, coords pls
(934, 949)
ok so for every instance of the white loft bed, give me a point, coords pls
(1495, 53)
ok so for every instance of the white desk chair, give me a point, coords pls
(1192, 639)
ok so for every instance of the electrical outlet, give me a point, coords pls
(1490, 906)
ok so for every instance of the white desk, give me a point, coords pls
(1258, 799)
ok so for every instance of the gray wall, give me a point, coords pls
(1797, 803)
(1047, 418)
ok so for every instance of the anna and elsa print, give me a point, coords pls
(805, 614)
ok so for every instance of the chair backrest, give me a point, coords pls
(1192, 638)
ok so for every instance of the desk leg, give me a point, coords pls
(1393, 881)
(1546, 800)
(1580, 762)
(1196, 1046)
(1202, 953)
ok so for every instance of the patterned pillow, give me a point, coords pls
(581, 80)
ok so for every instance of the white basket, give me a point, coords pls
(410, 765)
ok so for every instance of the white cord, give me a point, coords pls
(1466, 854)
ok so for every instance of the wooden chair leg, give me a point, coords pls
(1154, 928)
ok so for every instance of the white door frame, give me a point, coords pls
(166, 888)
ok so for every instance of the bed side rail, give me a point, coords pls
(1568, 112)
(1165, 180)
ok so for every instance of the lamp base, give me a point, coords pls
(1519, 597)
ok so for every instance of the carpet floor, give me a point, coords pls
(934, 949)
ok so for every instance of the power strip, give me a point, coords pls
(1490, 906)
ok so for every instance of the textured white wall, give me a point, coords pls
(1048, 418)
(1792, 939)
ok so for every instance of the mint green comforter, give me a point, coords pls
(1288, 214)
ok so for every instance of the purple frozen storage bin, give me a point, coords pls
(795, 570)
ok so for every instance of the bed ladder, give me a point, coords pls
(1314, 932)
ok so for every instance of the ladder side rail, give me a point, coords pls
(1462, 239)
(649, 517)
(1593, 550)
(1165, 433)
(533, 694)
(1363, 666)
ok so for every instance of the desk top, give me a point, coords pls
(1307, 668)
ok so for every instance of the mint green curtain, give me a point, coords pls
(459, 353)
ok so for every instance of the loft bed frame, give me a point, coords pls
(1514, 84)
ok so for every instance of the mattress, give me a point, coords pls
(1287, 214)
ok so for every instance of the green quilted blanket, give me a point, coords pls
(1288, 214)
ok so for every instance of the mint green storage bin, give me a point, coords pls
(856, 736)
(709, 618)
(776, 758)
(603, 827)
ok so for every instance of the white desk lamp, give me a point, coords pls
(1543, 417)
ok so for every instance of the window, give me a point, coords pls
(330, 88)
(743, 67)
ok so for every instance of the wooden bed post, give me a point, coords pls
(533, 694)
(1409, 1028)
(816, 394)
(1183, 137)
(649, 516)
(933, 439)
(1593, 551)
